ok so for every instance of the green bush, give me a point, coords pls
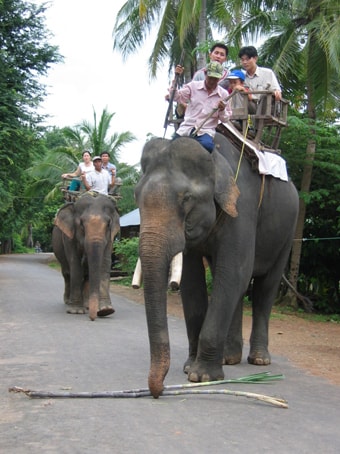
(127, 252)
(18, 247)
(208, 278)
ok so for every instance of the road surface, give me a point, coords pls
(43, 348)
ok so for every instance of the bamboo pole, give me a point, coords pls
(171, 390)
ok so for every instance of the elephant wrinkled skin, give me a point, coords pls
(189, 202)
(82, 242)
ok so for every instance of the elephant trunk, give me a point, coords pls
(156, 255)
(95, 255)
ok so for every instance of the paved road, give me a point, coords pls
(43, 348)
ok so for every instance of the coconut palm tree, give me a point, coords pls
(305, 53)
(301, 45)
(182, 25)
(65, 158)
(95, 136)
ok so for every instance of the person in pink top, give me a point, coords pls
(218, 52)
(205, 106)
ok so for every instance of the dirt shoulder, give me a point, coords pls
(313, 346)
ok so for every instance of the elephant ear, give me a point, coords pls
(64, 220)
(151, 153)
(115, 224)
(226, 190)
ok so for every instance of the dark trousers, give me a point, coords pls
(205, 140)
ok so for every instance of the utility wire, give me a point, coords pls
(317, 239)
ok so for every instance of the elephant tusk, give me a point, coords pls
(176, 271)
(137, 275)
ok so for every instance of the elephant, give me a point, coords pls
(213, 206)
(82, 240)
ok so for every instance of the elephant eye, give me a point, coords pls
(187, 197)
(81, 226)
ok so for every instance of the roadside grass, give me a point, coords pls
(278, 312)
(54, 265)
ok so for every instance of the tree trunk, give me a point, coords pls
(30, 236)
(202, 34)
(297, 244)
(306, 180)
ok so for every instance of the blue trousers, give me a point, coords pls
(205, 140)
(75, 185)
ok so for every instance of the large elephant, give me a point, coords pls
(82, 242)
(189, 202)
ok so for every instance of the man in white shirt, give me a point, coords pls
(106, 164)
(99, 180)
(258, 78)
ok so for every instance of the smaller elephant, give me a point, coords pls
(82, 240)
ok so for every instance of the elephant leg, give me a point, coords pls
(226, 291)
(76, 305)
(59, 251)
(195, 301)
(86, 292)
(67, 284)
(263, 295)
(234, 340)
(105, 305)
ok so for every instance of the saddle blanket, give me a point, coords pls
(272, 164)
(269, 163)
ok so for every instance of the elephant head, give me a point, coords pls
(179, 194)
(89, 226)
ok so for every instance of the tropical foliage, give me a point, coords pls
(65, 154)
(299, 41)
(180, 25)
(33, 158)
(25, 56)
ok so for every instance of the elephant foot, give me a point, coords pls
(188, 364)
(230, 360)
(205, 372)
(259, 358)
(72, 309)
(105, 310)
(232, 352)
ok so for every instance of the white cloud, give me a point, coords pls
(93, 76)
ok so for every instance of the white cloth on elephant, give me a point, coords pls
(269, 163)
(272, 164)
(99, 181)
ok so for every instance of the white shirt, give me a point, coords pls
(262, 79)
(99, 181)
(86, 169)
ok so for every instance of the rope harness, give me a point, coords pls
(249, 122)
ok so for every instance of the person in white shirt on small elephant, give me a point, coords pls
(99, 180)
